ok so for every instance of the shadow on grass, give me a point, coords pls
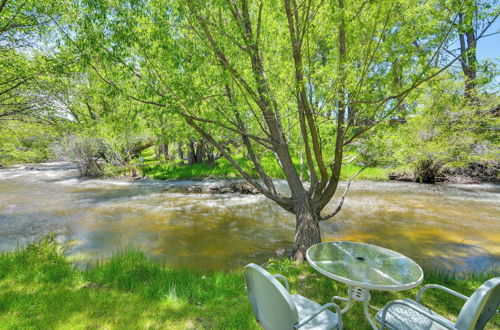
(309, 283)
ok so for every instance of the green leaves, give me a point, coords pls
(142, 67)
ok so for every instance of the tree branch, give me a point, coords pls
(341, 203)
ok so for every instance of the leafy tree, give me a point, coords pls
(473, 16)
(284, 79)
(21, 24)
(443, 134)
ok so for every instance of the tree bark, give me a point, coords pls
(307, 232)
(200, 152)
(196, 152)
(164, 150)
(468, 60)
(180, 153)
(191, 153)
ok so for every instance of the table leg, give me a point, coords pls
(366, 308)
(361, 295)
(348, 299)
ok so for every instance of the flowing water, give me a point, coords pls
(451, 227)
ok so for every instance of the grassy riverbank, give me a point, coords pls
(153, 168)
(40, 288)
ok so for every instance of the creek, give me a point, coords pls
(444, 226)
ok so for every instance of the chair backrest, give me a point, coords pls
(480, 306)
(272, 305)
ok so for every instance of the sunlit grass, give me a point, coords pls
(40, 289)
(369, 173)
(153, 168)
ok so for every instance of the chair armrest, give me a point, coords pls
(404, 303)
(283, 278)
(440, 287)
(318, 311)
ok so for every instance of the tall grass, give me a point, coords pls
(40, 289)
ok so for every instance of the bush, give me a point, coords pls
(89, 154)
(427, 171)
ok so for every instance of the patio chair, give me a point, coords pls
(275, 308)
(478, 309)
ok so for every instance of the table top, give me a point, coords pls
(365, 266)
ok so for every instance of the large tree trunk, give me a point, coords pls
(307, 231)
(467, 38)
(470, 70)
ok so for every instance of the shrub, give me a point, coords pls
(89, 154)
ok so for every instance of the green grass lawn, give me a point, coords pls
(41, 289)
(153, 168)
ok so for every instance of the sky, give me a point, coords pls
(489, 47)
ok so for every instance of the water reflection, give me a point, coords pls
(442, 226)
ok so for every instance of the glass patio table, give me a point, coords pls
(364, 267)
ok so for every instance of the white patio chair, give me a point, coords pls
(478, 309)
(275, 308)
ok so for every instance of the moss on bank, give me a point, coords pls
(40, 288)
